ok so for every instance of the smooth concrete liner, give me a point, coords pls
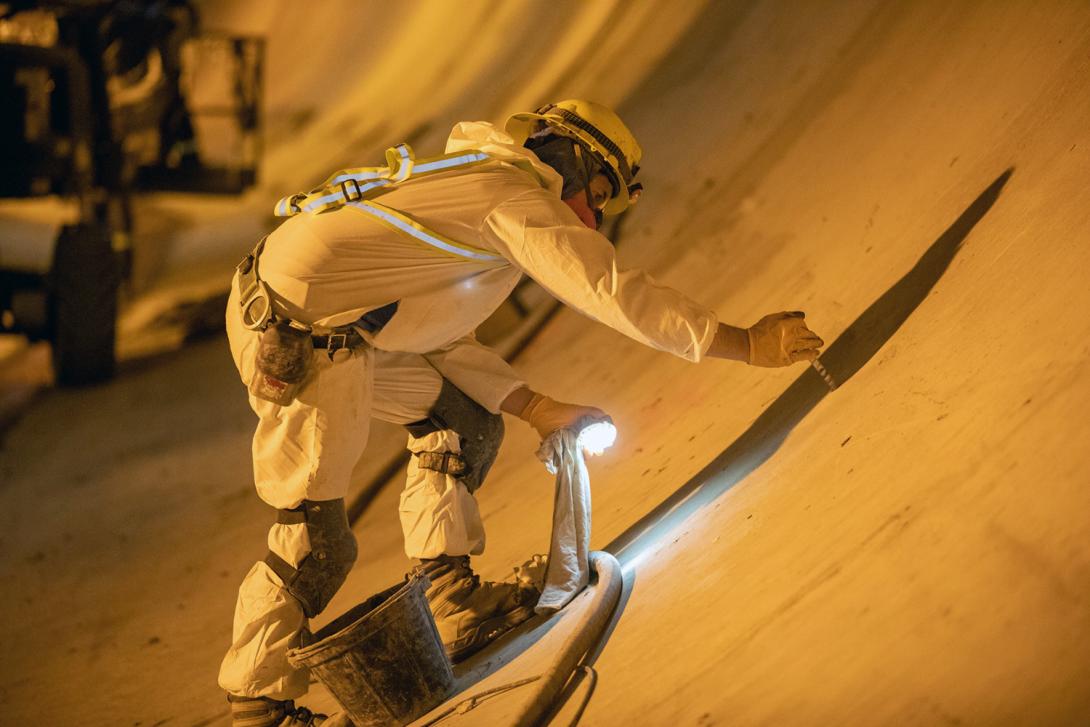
(909, 550)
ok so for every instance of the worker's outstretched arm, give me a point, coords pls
(486, 378)
(544, 238)
(544, 414)
(541, 235)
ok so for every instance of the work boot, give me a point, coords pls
(265, 712)
(468, 613)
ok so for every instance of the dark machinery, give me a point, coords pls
(97, 106)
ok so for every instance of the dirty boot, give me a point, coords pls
(468, 613)
(265, 712)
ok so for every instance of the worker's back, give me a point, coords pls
(331, 267)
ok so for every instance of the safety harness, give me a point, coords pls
(255, 303)
(357, 187)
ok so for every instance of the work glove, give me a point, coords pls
(547, 416)
(781, 339)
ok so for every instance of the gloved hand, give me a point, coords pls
(546, 415)
(781, 339)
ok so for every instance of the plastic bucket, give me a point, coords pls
(382, 660)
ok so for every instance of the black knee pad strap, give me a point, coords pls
(333, 551)
(480, 432)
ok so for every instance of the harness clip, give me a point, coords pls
(344, 191)
(337, 342)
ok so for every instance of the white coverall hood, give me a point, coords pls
(498, 144)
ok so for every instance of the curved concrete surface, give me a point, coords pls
(909, 549)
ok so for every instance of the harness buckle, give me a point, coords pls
(337, 342)
(344, 191)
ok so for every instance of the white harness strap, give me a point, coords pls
(356, 187)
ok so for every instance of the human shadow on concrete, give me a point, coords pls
(843, 358)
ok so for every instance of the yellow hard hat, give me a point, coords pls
(597, 128)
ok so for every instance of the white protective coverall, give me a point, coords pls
(328, 269)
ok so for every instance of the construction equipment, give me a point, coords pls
(103, 101)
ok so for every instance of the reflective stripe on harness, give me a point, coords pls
(356, 187)
(403, 223)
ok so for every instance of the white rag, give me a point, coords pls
(568, 569)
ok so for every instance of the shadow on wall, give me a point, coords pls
(846, 356)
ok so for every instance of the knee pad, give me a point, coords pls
(479, 431)
(333, 551)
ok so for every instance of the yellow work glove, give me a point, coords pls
(546, 415)
(781, 339)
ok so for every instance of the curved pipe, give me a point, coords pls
(607, 593)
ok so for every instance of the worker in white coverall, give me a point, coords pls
(381, 276)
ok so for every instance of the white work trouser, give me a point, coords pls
(307, 451)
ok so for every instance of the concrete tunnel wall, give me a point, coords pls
(908, 549)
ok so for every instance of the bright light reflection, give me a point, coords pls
(632, 563)
(597, 437)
